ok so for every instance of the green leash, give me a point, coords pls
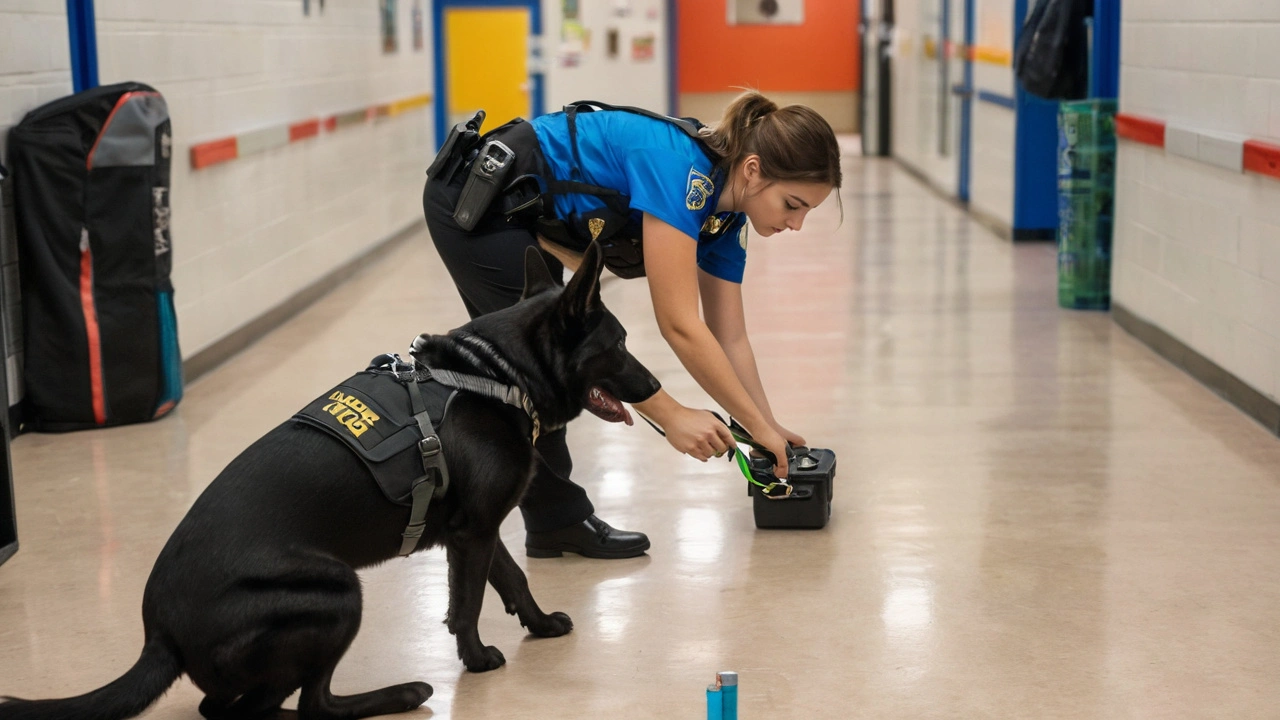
(775, 490)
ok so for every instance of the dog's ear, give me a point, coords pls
(583, 293)
(537, 276)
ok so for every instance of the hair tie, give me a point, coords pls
(761, 115)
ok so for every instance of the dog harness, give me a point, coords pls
(387, 415)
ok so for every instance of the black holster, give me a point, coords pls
(525, 200)
(459, 147)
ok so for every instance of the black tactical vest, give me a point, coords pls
(530, 197)
(372, 412)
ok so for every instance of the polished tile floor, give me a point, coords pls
(1035, 516)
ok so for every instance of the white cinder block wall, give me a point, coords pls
(1196, 247)
(35, 68)
(35, 62)
(916, 88)
(250, 233)
(991, 174)
(617, 80)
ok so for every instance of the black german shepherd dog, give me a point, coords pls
(256, 593)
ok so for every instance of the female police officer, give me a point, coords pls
(666, 198)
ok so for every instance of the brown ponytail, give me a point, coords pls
(794, 142)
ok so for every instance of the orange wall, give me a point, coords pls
(820, 55)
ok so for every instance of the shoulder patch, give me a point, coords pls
(699, 191)
(742, 236)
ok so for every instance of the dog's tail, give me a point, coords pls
(128, 696)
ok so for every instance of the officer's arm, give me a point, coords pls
(671, 264)
(723, 310)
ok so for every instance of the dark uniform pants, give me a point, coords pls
(487, 266)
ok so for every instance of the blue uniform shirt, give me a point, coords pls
(663, 171)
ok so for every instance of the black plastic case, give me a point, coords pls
(809, 505)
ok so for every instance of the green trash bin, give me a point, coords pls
(1086, 201)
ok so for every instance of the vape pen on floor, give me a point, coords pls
(722, 697)
(728, 681)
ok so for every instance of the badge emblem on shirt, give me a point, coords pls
(700, 190)
(742, 237)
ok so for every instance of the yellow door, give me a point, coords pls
(486, 55)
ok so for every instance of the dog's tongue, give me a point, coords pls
(603, 405)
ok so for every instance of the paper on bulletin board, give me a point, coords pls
(642, 48)
(387, 8)
(611, 43)
(418, 39)
(575, 38)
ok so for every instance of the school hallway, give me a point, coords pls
(1035, 516)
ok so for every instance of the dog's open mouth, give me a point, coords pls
(603, 405)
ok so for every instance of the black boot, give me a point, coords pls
(591, 538)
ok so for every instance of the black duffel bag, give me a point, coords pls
(91, 204)
(1051, 59)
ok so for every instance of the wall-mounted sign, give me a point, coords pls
(766, 12)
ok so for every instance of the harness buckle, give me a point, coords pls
(429, 446)
(767, 490)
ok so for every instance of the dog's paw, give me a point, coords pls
(553, 625)
(489, 659)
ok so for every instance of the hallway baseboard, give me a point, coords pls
(1227, 386)
(1001, 228)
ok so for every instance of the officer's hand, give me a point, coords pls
(789, 436)
(697, 433)
(772, 440)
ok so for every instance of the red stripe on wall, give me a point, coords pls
(1140, 129)
(90, 311)
(1262, 158)
(304, 130)
(211, 153)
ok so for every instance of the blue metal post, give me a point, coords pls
(945, 49)
(1105, 68)
(83, 37)
(966, 106)
(437, 58)
(1035, 160)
